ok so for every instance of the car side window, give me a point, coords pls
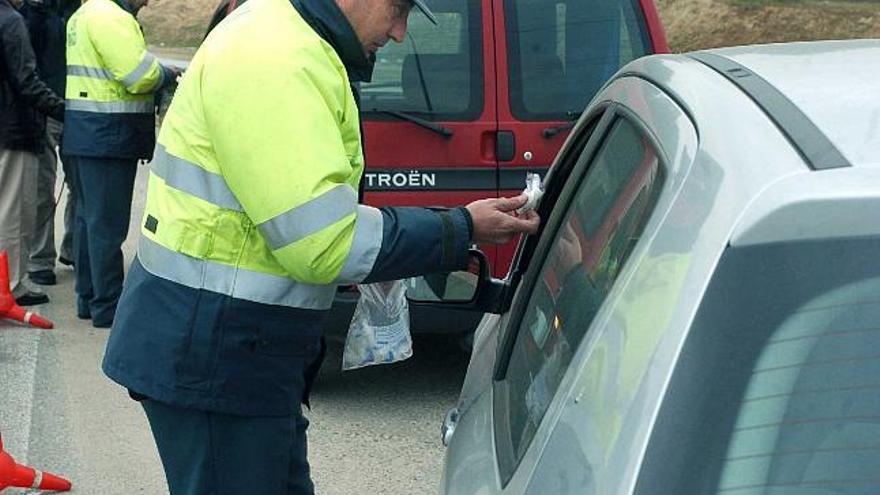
(604, 219)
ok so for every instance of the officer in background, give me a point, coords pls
(25, 100)
(110, 125)
(251, 223)
(46, 20)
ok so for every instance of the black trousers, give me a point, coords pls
(206, 453)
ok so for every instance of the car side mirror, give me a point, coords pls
(459, 287)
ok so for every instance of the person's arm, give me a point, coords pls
(21, 71)
(124, 53)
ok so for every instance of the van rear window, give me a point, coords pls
(561, 52)
(436, 72)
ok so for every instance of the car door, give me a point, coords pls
(612, 196)
(564, 407)
(608, 191)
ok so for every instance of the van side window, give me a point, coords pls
(436, 71)
(603, 222)
(561, 52)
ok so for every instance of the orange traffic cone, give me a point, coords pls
(20, 476)
(8, 308)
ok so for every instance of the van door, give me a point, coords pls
(429, 111)
(554, 57)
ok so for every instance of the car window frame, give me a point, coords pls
(554, 184)
(596, 131)
(575, 164)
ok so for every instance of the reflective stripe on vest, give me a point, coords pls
(235, 282)
(111, 106)
(308, 218)
(364, 247)
(92, 72)
(140, 71)
(192, 179)
(292, 225)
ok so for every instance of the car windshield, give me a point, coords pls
(777, 391)
(436, 72)
(561, 52)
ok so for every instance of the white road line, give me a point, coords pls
(19, 348)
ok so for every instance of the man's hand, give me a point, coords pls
(495, 219)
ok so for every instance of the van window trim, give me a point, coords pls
(513, 56)
(613, 112)
(477, 74)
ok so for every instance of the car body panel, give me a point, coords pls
(834, 204)
(733, 175)
(842, 75)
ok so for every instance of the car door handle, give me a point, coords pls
(449, 424)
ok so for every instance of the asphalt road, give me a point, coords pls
(374, 431)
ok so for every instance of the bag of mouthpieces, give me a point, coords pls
(379, 330)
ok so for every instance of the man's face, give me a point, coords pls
(377, 21)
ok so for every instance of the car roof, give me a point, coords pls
(836, 84)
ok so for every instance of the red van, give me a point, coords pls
(462, 110)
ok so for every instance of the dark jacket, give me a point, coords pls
(25, 100)
(46, 22)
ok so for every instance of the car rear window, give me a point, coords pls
(777, 391)
(561, 52)
(436, 72)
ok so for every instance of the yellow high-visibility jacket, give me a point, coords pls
(111, 81)
(252, 219)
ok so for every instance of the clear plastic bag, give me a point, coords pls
(379, 330)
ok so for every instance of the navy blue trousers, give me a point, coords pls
(104, 189)
(206, 453)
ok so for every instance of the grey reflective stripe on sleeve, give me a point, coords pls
(193, 179)
(83, 71)
(310, 217)
(231, 281)
(138, 73)
(365, 246)
(110, 106)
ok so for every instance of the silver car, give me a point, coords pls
(700, 313)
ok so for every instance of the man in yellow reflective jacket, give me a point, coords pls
(109, 126)
(251, 223)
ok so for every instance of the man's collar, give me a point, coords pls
(325, 17)
(125, 6)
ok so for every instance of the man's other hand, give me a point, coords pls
(496, 222)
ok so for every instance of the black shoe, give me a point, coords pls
(43, 277)
(31, 298)
(65, 261)
(102, 324)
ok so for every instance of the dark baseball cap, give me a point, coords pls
(425, 10)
